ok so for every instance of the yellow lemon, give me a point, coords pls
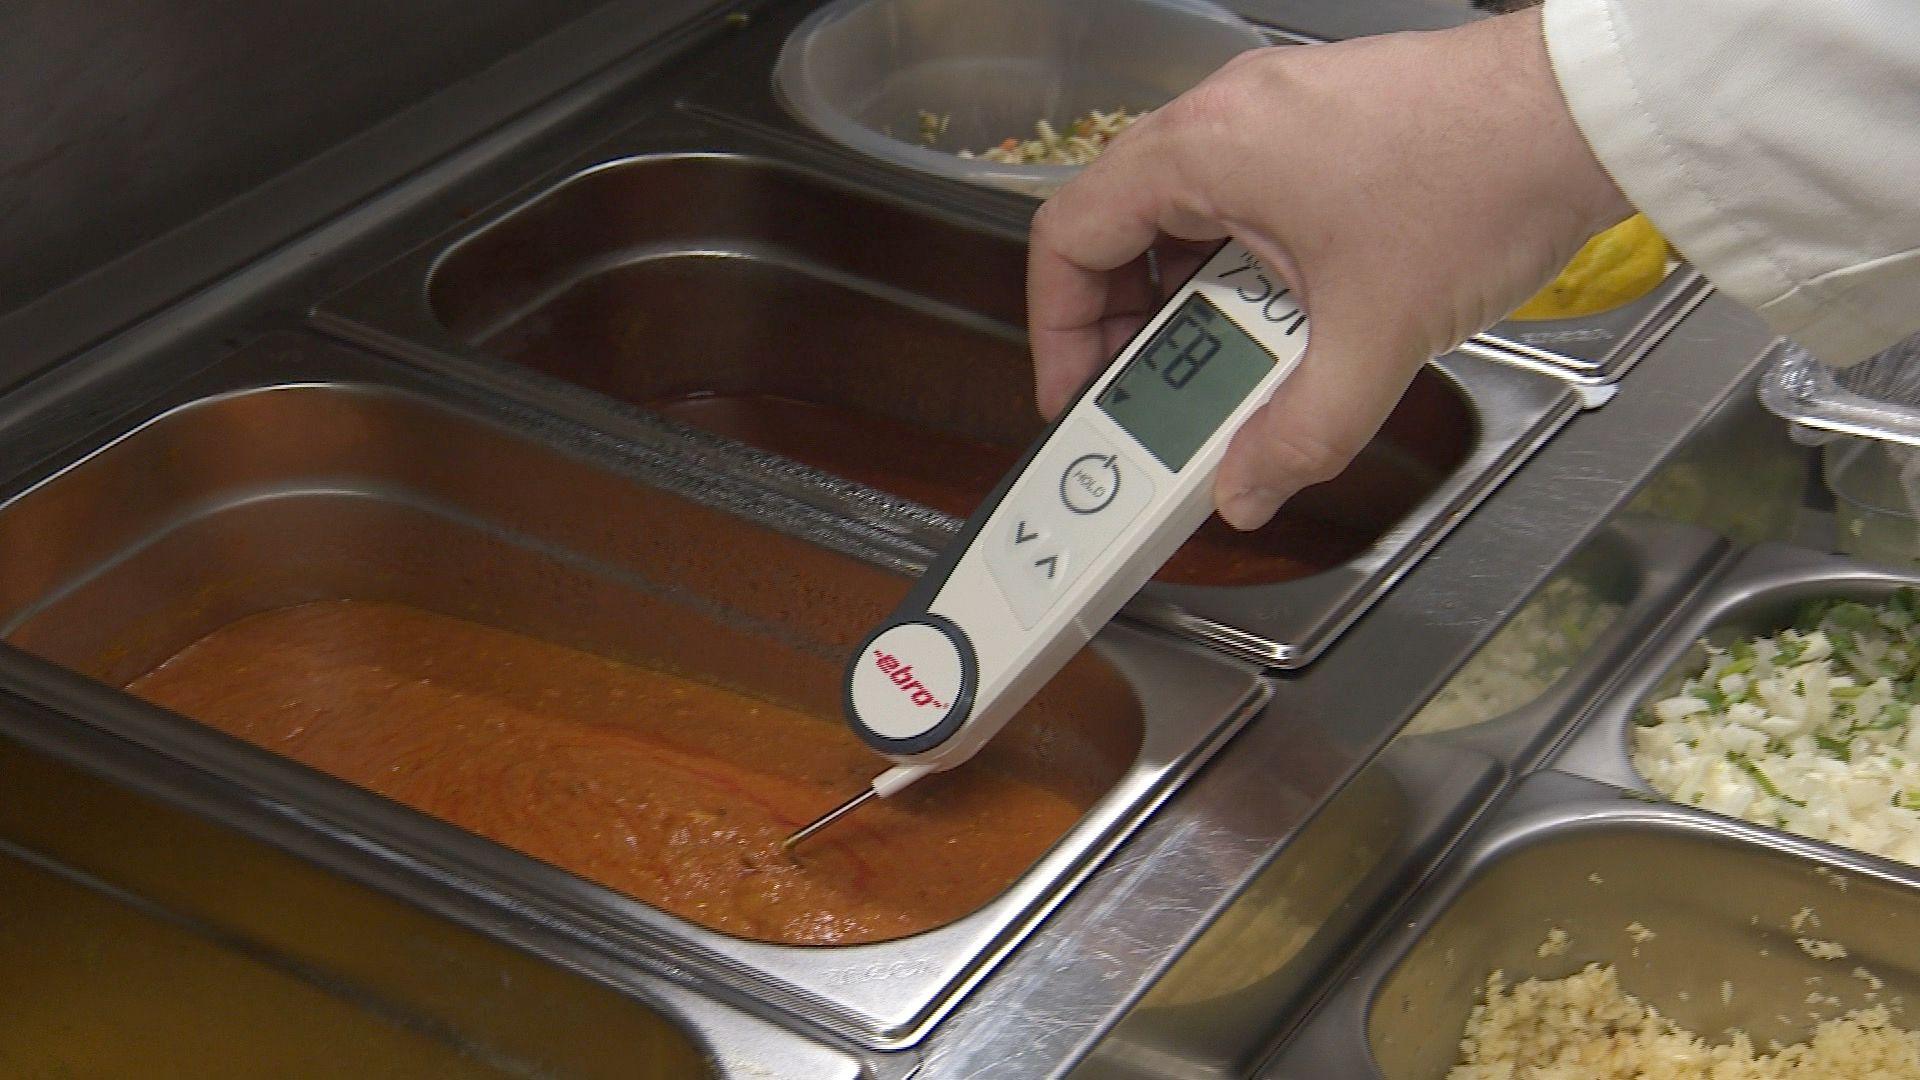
(1621, 264)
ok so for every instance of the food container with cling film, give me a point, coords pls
(1866, 419)
(913, 82)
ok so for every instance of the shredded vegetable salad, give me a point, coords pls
(1811, 729)
(1083, 140)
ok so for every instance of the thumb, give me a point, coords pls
(1356, 367)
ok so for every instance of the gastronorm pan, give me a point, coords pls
(298, 470)
(1757, 594)
(1267, 954)
(1571, 641)
(1384, 831)
(103, 985)
(145, 933)
(1725, 902)
(863, 351)
(1598, 349)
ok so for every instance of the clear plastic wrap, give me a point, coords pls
(1866, 418)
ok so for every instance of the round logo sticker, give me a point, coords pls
(906, 681)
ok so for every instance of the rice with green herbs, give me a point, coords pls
(1811, 729)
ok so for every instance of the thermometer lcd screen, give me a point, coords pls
(1184, 384)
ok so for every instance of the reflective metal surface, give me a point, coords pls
(1186, 867)
(1325, 22)
(1757, 595)
(209, 101)
(1164, 914)
(1571, 855)
(1599, 348)
(1572, 641)
(1055, 997)
(1267, 954)
(296, 472)
(741, 294)
(1593, 351)
(248, 142)
(148, 934)
(107, 985)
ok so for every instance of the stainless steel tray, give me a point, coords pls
(1591, 351)
(1628, 580)
(1722, 898)
(1595, 350)
(298, 469)
(111, 986)
(576, 300)
(150, 934)
(1263, 963)
(1267, 956)
(1757, 594)
(1585, 845)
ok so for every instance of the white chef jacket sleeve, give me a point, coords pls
(1776, 143)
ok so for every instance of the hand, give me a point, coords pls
(1411, 189)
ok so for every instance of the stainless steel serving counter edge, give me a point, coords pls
(1049, 1004)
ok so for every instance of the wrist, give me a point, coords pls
(1589, 186)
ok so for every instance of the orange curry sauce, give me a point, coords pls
(674, 792)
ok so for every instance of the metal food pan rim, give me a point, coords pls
(1540, 809)
(1170, 750)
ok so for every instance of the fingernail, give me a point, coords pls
(1251, 508)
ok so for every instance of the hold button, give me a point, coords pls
(1090, 483)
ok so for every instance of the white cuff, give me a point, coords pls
(1747, 131)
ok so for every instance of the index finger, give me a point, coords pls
(1098, 224)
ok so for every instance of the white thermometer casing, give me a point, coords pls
(1097, 506)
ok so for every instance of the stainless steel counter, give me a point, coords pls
(1195, 942)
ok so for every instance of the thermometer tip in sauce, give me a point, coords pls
(1099, 502)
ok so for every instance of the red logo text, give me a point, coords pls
(901, 675)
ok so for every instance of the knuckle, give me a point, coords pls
(1051, 227)
(1043, 222)
(1228, 117)
(1311, 458)
(1216, 103)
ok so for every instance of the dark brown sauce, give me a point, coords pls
(1323, 527)
(672, 791)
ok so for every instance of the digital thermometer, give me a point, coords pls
(1098, 504)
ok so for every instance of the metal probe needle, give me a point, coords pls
(828, 818)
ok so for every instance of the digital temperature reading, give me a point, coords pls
(1184, 384)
